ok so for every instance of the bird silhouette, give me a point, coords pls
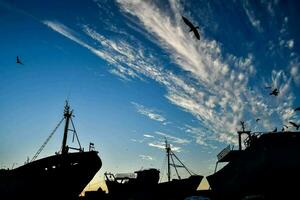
(192, 27)
(297, 126)
(257, 119)
(275, 130)
(19, 61)
(284, 127)
(275, 92)
(297, 109)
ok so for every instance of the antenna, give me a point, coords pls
(243, 131)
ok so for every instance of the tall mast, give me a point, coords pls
(243, 131)
(168, 149)
(67, 116)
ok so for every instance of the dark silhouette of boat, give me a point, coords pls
(266, 168)
(180, 188)
(144, 184)
(61, 176)
(141, 184)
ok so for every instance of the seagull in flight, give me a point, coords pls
(295, 125)
(284, 127)
(19, 61)
(275, 92)
(192, 27)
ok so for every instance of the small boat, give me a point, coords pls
(180, 188)
(141, 184)
(144, 184)
(60, 176)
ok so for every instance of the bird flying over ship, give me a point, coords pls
(192, 27)
(19, 61)
(297, 126)
(275, 92)
(284, 127)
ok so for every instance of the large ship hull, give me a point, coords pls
(62, 176)
(267, 169)
(179, 189)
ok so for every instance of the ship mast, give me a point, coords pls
(240, 133)
(168, 149)
(171, 162)
(67, 116)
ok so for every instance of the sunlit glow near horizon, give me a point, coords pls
(135, 75)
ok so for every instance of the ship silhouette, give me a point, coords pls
(266, 168)
(145, 185)
(60, 176)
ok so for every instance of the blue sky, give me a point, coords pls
(134, 74)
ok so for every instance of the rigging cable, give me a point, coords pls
(163, 169)
(184, 165)
(47, 140)
(75, 133)
(174, 165)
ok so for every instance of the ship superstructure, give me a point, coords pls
(267, 168)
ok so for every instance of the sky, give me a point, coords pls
(134, 74)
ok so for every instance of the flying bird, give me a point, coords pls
(19, 61)
(295, 125)
(275, 92)
(257, 119)
(284, 128)
(192, 27)
(297, 109)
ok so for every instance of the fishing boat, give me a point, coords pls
(60, 176)
(265, 167)
(141, 184)
(179, 188)
(144, 184)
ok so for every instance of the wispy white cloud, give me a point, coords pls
(295, 70)
(290, 43)
(252, 17)
(214, 86)
(222, 97)
(173, 138)
(70, 34)
(110, 54)
(136, 140)
(159, 145)
(146, 157)
(200, 135)
(162, 145)
(150, 113)
(148, 136)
